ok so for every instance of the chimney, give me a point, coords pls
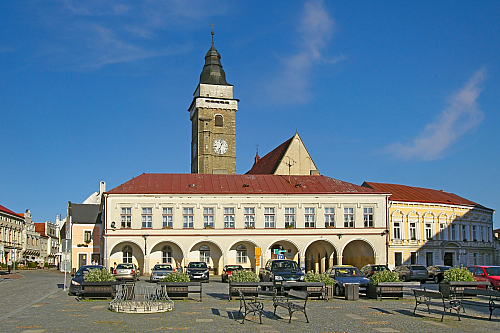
(102, 187)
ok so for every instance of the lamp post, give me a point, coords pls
(145, 236)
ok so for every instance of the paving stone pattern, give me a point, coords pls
(37, 303)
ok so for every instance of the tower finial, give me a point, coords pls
(213, 33)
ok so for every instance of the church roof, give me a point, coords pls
(419, 194)
(212, 71)
(268, 163)
(168, 183)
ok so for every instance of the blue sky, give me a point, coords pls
(393, 92)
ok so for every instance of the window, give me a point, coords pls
(474, 233)
(229, 217)
(87, 237)
(413, 231)
(126, 217)
(329, 217)
(482, 234)
(349, 217)
(289, 217)
(428, 231)
(187, 218)
(453, 232)
(219, 121)
(368, 217)
(167, 217)
(205, 254)
(413, 258)
(166, 255)
(442, 232)
(208, 217)
(397, 230)
(249, 217)
(464, 233)
(269, 217)
(241, 254)
(309, 217)
(127, 254)
(147, 217)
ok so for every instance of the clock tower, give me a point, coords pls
(213, 114)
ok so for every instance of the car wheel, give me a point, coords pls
(337, 290)
(423, 281)
(436, 279)
(403, 278)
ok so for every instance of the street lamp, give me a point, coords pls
(145, 236)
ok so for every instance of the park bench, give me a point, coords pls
(182, 289)
(484, 298)
(294, 301)
(314, 289)
(435, 298)
(252, 306)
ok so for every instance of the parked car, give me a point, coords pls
(487, 273)
(436, 273)
(126, 272)
(344, 274)
(198, 271)
(412, 273)
(369, 270)
(159, 271)
(281, 270)
(228, 270)
(78, 278)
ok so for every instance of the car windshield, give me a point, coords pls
(233, 268)
(197, 265)
(125, 266)
(162, 267)
(418, 268)
(84, 270)
(443, 268)
(492, 271)
(285, 265)
(348, 271)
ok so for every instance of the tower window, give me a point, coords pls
(219, 121)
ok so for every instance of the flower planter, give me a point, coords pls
(99, 289)
(385, 289)
(456, 288)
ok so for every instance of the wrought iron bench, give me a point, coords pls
(295, 301)
(435, 298)
(252, 306)
(484, 298)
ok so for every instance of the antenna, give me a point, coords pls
(290, 163)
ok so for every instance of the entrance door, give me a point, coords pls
(82, 259)
(429, 259)
(398, 258)
(448, 258)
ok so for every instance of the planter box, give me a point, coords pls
(385, 289)
(181, 289)
(98, 289)
(247, 288)
(456, 288)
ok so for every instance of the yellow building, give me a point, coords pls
(431, 227)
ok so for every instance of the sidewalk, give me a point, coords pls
(12, 276)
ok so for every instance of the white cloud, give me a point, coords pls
(461, 116)
(315, 31)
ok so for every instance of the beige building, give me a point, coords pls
(31, 243)
(11, 234)
(431, 227)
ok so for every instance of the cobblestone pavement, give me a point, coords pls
(37, 303)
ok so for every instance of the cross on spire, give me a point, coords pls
(213, 25)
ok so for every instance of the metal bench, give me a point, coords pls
(295, 301)
(252, 306)
(435, 298)
(484, 298)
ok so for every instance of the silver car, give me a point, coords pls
(160, 271)
(126, 272)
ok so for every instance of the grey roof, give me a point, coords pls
(212, 71)
(84, 213)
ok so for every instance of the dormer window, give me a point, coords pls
(219, 121)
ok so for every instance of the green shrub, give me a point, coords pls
(316, 277)
(384, 276)
(3, 265)
(176, 277)
(99, 275)
(46, 264)
(32, 264)
(243, 276)
(458, 274)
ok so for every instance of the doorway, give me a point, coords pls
(398, 258)
(82, 259)
(448, 258)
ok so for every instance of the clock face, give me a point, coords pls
(220, 146)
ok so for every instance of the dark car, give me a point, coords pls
(198, 271)
(343, 274)
(280, 270)
(487, 273)
(78, 278)
(159, 271)
(436, 273)
(369, 270)
(412, 273)
(228, 271)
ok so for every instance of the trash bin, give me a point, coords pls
(351, 291)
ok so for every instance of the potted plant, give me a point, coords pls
(289, 226)
(450, 278)
(244, 280)
(181, 289)
(320, 277)
(384, 284)
(99, 283)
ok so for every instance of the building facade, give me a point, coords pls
(431, 227)
(11, 234)
(31, 239)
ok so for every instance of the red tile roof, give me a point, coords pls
(419, 194)
(267, 165)
(167, 183)
(8, 211)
